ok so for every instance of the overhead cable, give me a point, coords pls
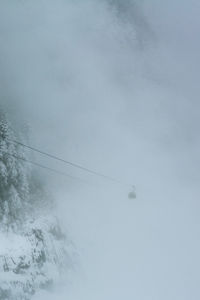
(69, 163)
(47, 168)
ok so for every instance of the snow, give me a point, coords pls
(35, 259)
(14, 244)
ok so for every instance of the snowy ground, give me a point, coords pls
(36, 258)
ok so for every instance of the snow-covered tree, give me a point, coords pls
(14, 175)
(34, 242)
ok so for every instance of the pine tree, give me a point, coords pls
(14, 176)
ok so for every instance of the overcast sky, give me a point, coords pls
(114, 86)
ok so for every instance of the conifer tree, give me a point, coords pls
(14, 176)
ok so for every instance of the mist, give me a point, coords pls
(113, 86)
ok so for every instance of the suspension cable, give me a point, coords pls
(47, 168)
(69, 163)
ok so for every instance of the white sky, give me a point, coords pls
(92, 95)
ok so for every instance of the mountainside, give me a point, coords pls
(34, 252)
(33, 259)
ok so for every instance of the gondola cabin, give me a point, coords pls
(132, 195)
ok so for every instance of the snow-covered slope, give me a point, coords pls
(34, 252)
(34, 259)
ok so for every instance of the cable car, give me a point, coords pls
(132, 194)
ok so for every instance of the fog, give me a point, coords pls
(114, 87)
